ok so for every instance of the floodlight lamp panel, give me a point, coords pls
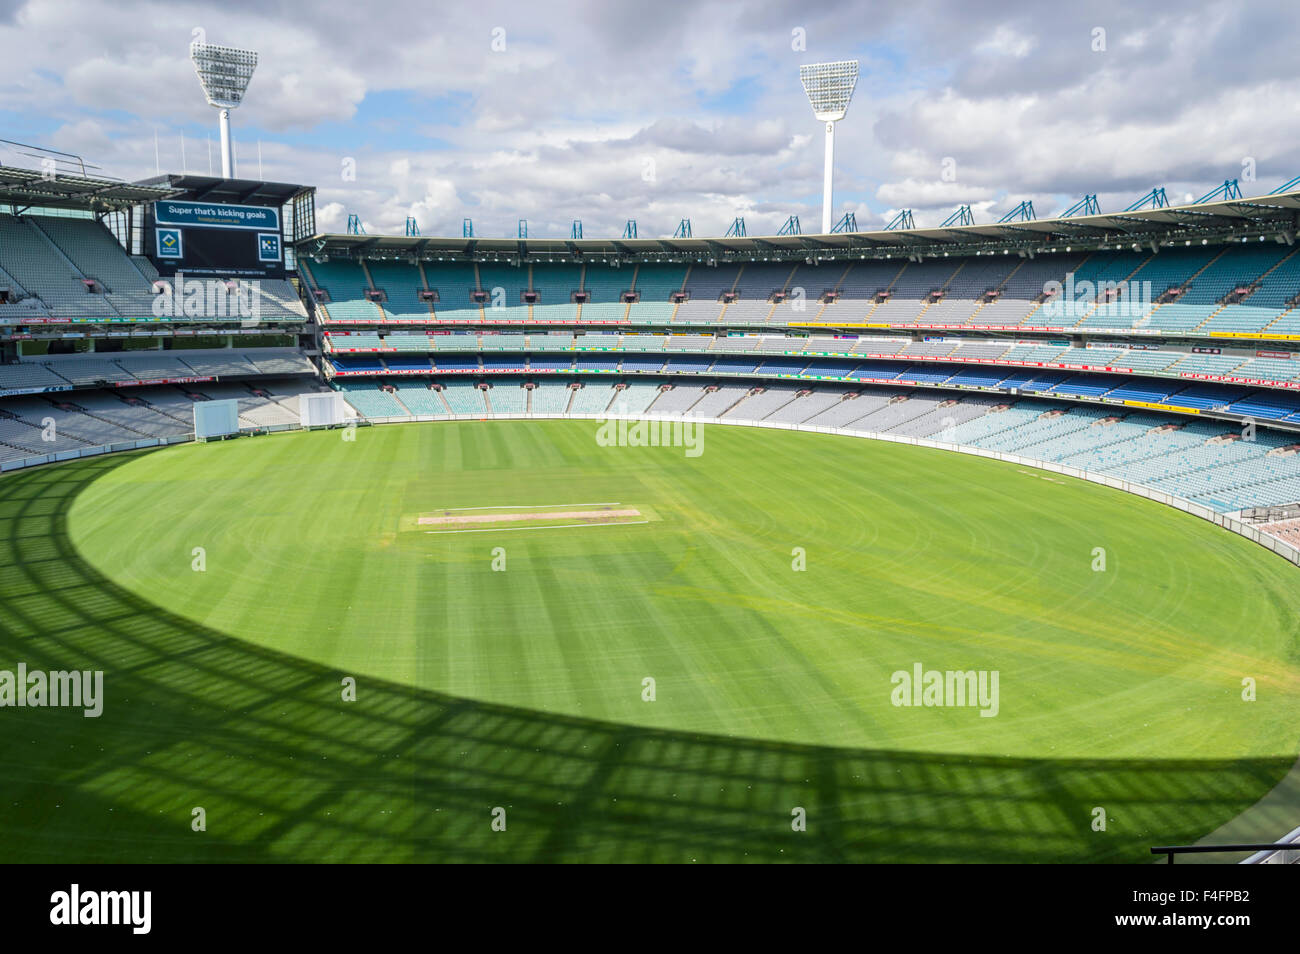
(224, 71)
(829, 87)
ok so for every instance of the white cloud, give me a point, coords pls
(1006, 41)
(606, 112)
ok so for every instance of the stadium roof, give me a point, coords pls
(29, 188)
(1268, 216)
(217, 189)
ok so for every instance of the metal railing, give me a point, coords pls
(1284, 853)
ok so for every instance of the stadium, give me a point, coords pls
(969, 541)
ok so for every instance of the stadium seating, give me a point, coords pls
(554, 286)
(96, 254)
(94, 418)
(762, 402)
(706, 286)
(677, 400)
(549, 400)
(418, 398)
(715, 403)
(655, 284)
(878, 346)
(507, 396)
(346, 285)
(463, 397)
(605, 287)
(594, 397)
(401, 286)
(370, 401)
(42, 270)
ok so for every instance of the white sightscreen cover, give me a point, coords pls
(320, 410)
(216, 418)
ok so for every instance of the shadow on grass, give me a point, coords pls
(287, 772)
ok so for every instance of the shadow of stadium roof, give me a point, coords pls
(1269, 216)
(288, 773)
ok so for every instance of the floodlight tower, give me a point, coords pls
(225, 73)
(829, 87)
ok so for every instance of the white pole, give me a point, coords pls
(226, 160)
(826, 183)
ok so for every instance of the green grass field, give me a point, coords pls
(522, 687)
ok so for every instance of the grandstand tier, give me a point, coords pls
(1058, 355)
(1232, 291)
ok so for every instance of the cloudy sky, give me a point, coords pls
(655, 111)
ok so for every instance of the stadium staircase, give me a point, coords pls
(106, 420)
(1186, 284)
(1261, 278)
(943, 290)
(834, 288)
(397, 397)
(889, 289)
(424, 285)
(972, 319)
(1124, 281)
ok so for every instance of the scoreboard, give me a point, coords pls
(216, 239)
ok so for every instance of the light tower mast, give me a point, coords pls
(225, 73)
(829, 87)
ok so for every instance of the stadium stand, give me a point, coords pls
(595, 397)
(981, 350)
(89, 418)
(549, 400)
(418, 398)
(96, 254)
(553, 287)
(655, 285)
(45, 272)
